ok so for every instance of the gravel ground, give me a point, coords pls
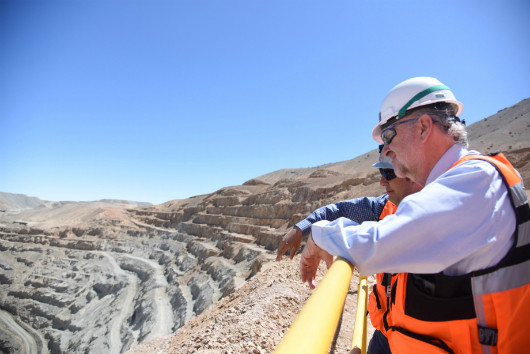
(254, 318)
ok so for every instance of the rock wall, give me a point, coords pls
(114, 276)
(107, 285)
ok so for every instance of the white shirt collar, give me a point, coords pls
(453, 154)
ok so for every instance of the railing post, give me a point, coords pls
(359, 340)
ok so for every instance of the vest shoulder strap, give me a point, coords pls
(389, 209)
(499, 161)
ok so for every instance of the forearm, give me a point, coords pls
(450, 235)
(328, 212)
(359, 210)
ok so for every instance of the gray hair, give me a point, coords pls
(444, 114)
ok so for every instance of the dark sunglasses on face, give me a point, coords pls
(389, 133)
(388, 173)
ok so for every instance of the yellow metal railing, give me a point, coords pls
(313, 329)
(358, 345)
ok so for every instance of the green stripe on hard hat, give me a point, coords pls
(403, 110)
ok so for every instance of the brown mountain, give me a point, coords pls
(105, 276)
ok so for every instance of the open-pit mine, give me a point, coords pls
(104, 276)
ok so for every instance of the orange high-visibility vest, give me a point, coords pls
(485, 311)
(380, 295)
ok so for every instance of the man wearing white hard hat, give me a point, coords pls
(459, 248)
(359, 210)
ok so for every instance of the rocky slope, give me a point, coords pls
(106, 276)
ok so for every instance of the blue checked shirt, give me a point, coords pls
(358, 210)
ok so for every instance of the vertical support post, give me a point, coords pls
(360, 335)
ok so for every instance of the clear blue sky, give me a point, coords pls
(159, 100)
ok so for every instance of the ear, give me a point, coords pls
(426, 127)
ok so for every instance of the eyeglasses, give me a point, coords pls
(388, 173)
(389, 133)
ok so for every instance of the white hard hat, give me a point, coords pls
(412, 93)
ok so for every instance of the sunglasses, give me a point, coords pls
(389, 133)
(388, 173)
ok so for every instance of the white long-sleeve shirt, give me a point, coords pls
(461, 221)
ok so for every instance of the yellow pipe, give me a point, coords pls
(313, 329)
(359, 341)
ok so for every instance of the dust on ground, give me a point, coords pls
(254, 318)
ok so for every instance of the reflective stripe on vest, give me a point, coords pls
(513, 276)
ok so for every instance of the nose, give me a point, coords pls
(385, 151)
(383, 181)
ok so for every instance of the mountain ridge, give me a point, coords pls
(113, 276)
